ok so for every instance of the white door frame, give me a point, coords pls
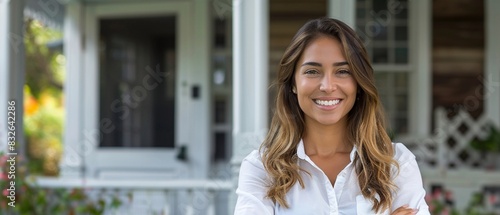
(163, 161)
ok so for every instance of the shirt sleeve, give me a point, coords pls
(409, 182)
(252, 188)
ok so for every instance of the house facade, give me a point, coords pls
(178, 89)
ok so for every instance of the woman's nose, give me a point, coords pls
(328, 85)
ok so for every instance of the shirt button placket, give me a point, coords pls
(332, 198)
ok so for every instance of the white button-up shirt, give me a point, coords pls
(319, 196)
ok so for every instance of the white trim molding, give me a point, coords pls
(343, 10)
(250, 79)
(492, 63)
(250, 71)
(71, 164)
(12, 65)
(420, 31)
(200, 143)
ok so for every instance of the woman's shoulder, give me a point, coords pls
(254, 158)
(252, 167)
(402, 154)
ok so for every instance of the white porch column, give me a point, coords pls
(11, 70)
(492, 65)
(72, 161)
(201, 72)
(250, 78)
(343, 10)
(420, 31)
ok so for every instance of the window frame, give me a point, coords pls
(418, 66)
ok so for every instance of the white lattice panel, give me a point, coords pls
(449, 146)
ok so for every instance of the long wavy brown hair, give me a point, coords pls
(365, 126)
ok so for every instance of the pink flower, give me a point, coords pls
(446, 211)
(3, 176)
(493, 199)
(436, 194)
(5, 192)
(3, 159)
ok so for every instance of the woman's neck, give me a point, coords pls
(324, 140)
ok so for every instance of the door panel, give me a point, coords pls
(137, 81)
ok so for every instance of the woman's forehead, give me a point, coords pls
(323, 50)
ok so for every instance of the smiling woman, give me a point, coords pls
(327, 151)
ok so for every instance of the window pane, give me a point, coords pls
(137, 81)
(401, 83)
(379, 5)
(401, 55)
(220, 33)
(380, 55)
(402, 10)
(380, 33)
(402, 101)
(394, 98)
(401, 33)
(220, 146)
(220, 111)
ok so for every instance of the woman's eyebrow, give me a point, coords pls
(342, 63)
(311, 64)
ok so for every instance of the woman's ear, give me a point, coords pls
(294, 90)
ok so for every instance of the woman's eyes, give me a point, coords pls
(311, 71)
(344, 72)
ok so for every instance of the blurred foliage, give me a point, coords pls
(441, 202)
(476, 206)
(490, 143)
(43, 126)
(44, 66)
(43, 99)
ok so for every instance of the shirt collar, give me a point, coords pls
(301, 153)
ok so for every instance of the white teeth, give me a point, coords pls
(327, 102)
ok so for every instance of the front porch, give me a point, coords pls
(189, 197)
(197, 192)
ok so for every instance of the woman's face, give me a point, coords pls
(325, 87)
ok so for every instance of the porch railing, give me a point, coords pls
(183, 197)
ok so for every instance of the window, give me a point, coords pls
(221, 90)
(383, 27)
(141, 108)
